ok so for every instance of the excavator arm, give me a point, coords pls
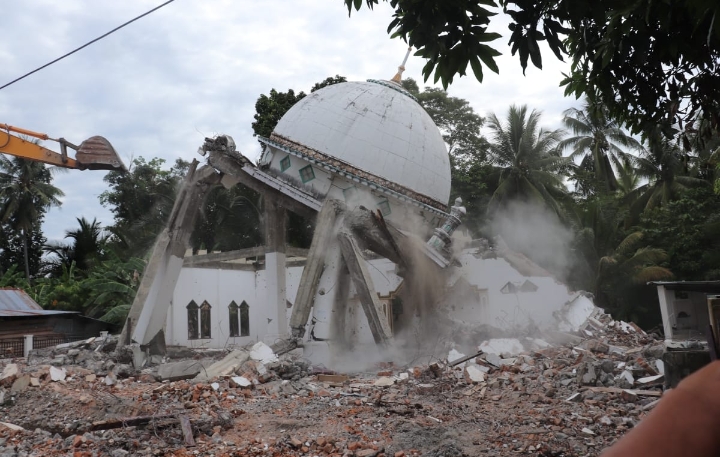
(95, 153)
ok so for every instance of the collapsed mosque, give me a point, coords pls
(386, 268)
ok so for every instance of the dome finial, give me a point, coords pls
(398, 76)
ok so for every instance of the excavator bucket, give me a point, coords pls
(96, 153)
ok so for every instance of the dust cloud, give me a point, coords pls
(534, 231)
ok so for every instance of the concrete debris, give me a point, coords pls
(9, 373)
(240, 381)
(454, 355)
(650, 379)
(223, 367)
(57, 374)
(184, 369)
(263, 353)
(110, 379)
(537, 396)
(473, 374)
(503, 347)
(384, 381)
(20, 384)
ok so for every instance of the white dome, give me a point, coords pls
(376, 128)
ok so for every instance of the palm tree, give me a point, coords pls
(26, 193)
(88, 247)
(527, 164)
(665, 166)
(628, 178)
(598, 140)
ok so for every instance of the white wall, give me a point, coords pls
(219, 288)
(484, 304)
(694, 306)
(506, 311)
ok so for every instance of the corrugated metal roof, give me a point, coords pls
(16, 302)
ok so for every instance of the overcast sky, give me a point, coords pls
(195, 68)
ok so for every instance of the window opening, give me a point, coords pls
(205, 320)
(285, 163)
(307, 174)
(192, 317)
(234, 319)
(244, 319)
(384, 207)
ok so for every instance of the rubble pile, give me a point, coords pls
(559, 395)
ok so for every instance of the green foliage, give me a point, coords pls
(87, 248)
(12, 278)
(651, 63)
(622, 277)
(12, 249)
(229, 220)
(141, 201)
(665, 166)
(269, 110)
(688, 231)
(65, 292)
(114, 284)
(26, 193)
(329, 81)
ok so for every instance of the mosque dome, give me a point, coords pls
(375, 131)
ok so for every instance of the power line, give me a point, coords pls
(86, 44)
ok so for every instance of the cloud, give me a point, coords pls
(194, 69)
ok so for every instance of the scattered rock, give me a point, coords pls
(57, 374)
(20, 384)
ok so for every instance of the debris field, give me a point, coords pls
(562, 395)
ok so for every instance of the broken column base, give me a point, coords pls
(330, 355)
(680, 364)
(318, 353)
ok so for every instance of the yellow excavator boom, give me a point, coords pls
(95, 153)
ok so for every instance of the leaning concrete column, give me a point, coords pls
(275, 265)
(148, 313)
(324, 228)
(366, 291)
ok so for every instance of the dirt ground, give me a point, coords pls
(566, 400)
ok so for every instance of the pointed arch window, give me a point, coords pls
(205, 320)
(244, 319)
(233, 310)
(192, 320)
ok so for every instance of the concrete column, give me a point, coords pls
(324, 301)
(314, 266)
(275, 266)
(148, 313)
(338, 324)
(28, 346)
(371, 305)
